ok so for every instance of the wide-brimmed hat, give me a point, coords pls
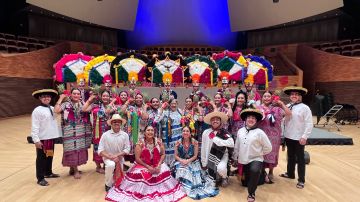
(255, 112)
(38, 93)
(211, 115)
(116, 117)
(289, 89)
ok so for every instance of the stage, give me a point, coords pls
(321, 136)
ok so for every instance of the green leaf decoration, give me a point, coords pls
(95, 77)
(69, 76)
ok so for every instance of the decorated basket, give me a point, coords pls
(129, 67)
(200, 69)
(167, 68)
(259, 71)
(70, 67)
(98, 68)
(228, 62)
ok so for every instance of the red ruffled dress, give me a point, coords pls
(140, 185)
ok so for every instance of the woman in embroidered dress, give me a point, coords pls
(274, 111)
(153, 112)
(135, 111)
(101, 113)
(190, 114)
(76, 129)
(149, 179)
(239, 105)
(188, 169)
(170, 120)
(222, 105)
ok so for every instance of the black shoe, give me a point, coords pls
(52, 175)
(107, 188)
(43, 182)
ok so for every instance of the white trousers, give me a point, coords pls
(222, 166)
(109, 172)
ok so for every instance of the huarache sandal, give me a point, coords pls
(300, 185)
(268, 180)
(285, 175)
(43, 182)
(251, 198)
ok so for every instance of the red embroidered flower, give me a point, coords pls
(212, 135)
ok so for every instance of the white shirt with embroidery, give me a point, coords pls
(251, 146)
(44, 125)
(299, 124)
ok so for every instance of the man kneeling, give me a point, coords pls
(217, 146)
(114, 144)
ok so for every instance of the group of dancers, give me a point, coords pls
(172, 152)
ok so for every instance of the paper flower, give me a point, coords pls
(167, 77)
(133, 76)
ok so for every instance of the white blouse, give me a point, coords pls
(251, 146)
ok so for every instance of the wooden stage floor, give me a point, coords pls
(332, 175)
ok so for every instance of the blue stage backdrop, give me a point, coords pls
(203, 22)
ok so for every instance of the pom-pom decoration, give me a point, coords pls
(98, 68)
(228, 62)
(203, 66)
(130, 63)
(70, 66)
(259, 71)
(167, 63)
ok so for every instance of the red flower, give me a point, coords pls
(66, 92)
(212, 135)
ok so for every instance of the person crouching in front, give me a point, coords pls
(114, 144)
(250, 147)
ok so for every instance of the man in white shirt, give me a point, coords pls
(114, 144)
(217, 143)
(44, 129)
(298, 127)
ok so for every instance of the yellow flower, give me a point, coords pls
(167, 77)
(249, 79)
(80, 77)
(242, 61)
(133, 76)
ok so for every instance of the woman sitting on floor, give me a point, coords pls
(149, 179)
(188, 169)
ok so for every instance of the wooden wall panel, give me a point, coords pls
(34, 64)
(320, 66)
(15, 94)
(39, 64)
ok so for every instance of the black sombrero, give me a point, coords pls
(246, 112)
(289, 89)
(51, 92)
